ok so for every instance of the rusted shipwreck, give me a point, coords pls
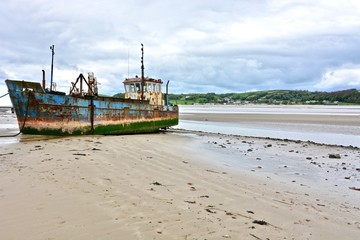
(144, 108)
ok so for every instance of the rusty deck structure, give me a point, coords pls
(54, 113)
(40, 110)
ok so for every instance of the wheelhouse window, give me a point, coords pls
(132, 88)
(138, 88)
(127, 88)
(149, 87)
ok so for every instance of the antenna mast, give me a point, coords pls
(52, 65)
(128, 63)
(142, 72)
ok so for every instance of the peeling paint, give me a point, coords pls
(56, 114)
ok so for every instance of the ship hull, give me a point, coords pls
(44, 113)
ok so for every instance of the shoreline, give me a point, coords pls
(328, 119)
(303, 154)
(180, 130)
(334, 126)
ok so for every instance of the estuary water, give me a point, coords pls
(335, 125)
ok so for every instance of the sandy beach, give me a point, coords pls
(177, 185)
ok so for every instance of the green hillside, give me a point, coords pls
(350, 96)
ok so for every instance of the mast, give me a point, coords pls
(142, 72)
(52, 65)
(128, 63)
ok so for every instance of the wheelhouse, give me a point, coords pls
(151, 92)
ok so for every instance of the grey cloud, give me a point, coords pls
(192, 43)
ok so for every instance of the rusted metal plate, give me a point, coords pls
(46, 113)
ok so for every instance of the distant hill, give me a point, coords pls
(119, 95)
(350, 96)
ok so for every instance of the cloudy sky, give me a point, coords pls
(199, 45)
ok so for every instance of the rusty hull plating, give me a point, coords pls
(54, 113)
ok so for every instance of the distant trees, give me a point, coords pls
(119, 95)
(349, 96)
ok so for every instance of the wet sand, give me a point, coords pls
(335, 125)
(177, 185)
(352, 120)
